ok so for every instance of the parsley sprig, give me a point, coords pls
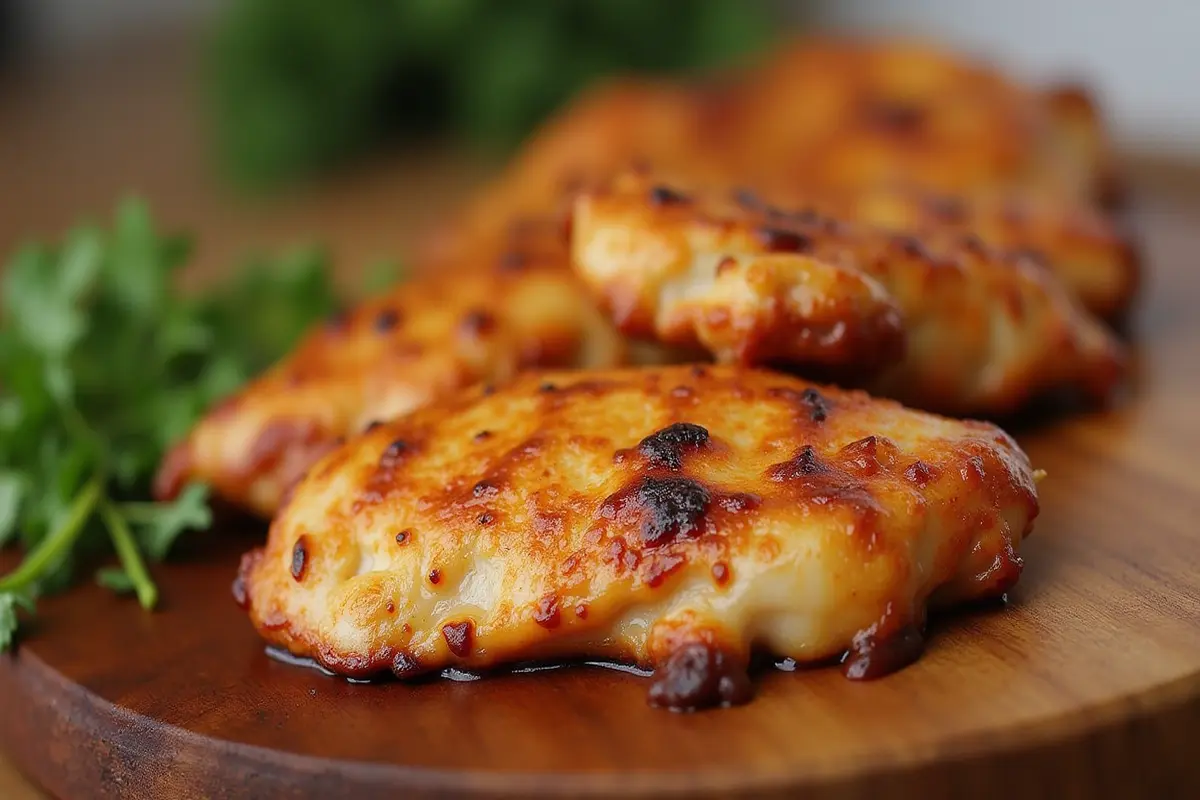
(103, 364)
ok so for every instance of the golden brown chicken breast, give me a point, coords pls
(679, 518)
(855, 112)
(940, 321)
(428, 337)
(849, 123)
(832, 113)
(1086, 249)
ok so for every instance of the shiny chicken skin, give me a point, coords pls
(424, 339)
(680, 518)
(940, 321)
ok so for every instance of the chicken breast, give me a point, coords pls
(678, 518)
(941, 321)
(1087, 250)
(900, 134)
(521, 307)
(861, 111)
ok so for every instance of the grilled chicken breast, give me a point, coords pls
(1086, 250)
(679, 518)
(941, 321)
(858, 111)
(899, 134)
(520, 307)
(874, 132)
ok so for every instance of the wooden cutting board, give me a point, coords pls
(1088, 682)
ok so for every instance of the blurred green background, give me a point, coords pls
(296, 86)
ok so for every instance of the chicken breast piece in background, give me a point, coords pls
(941, 321)
(903, 134)
(679, 518)
(509, 307)
(855, 112)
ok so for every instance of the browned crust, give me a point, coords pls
(511, 304)
(712, 486)
(987, 330)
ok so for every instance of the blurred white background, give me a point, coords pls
(1141, 58)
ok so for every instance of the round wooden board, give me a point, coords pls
(1087, 683)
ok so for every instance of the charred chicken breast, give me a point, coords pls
(940, 321)
(680, 518)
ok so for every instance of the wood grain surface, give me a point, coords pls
(1086, 684)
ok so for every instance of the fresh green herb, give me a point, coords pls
(103, 364)
(116, 580)
(9, 602)
(299, 85)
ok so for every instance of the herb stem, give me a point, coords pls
(131, 558)
(138, 512)
(58, 542)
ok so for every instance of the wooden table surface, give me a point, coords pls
(76, 136)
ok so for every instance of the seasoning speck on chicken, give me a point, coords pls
(764, 514)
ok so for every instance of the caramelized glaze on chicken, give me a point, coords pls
(940, 321)
(426, 338)
(680, 518)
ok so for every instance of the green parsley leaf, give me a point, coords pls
(13, 486)
(116, 579)
(160, 524)
(9, 603)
